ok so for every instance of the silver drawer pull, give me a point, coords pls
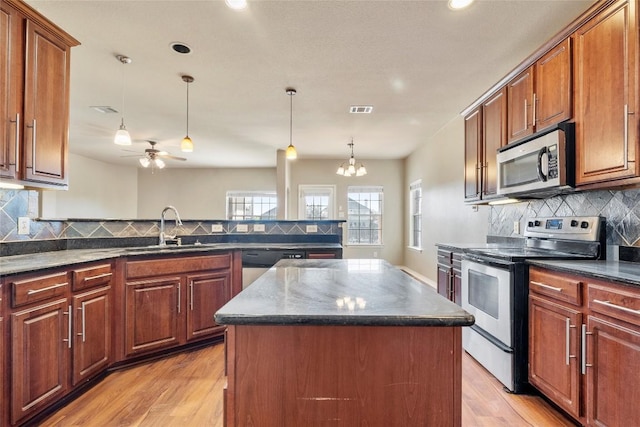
(551, 288)
(48, 288)
(98, 276)
(617, 307)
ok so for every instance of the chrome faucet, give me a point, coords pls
(163, 236)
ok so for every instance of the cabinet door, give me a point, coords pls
(92, 326)
(152, 314)
(520, 110)
(605, 95)
(553, 352)
(207, 294)
(321, 255)
(472, 154)
(10, 88)
(40, 347)
(444, 277)
(494, 126)
(457, 286)
(46, 106)
(553, 87)
(613, 351)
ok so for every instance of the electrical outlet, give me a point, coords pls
(375, 254)
(242, 228)
(23, 225)
(258, 227)
(516, 227)
(216, 228)
(312, 228)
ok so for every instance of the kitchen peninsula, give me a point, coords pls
(352, 341)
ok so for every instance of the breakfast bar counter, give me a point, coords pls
(342, 342)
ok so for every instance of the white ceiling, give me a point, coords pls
(417, 62)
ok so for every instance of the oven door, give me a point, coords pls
(486, 293)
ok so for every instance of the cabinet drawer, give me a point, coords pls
(444, 257)
(615, 301)
(39, 288)
(456, 261)
(561, 287)
(164, 266)
(99, 275)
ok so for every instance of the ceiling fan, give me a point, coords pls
(153, 157)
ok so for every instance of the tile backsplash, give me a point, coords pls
(620, 208)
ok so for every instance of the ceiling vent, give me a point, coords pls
(361, 109)
(105, 109)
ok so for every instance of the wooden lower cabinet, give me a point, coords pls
(207, 294)
(584, 348)
(40, 355)
(92, 338)
(450, 275)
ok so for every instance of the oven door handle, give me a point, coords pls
(541, 174)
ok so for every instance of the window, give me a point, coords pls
(251, 205)
(364, 223)
(415, 221)
(316, 202)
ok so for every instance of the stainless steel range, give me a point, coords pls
(495, 290)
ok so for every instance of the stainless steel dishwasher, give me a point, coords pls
(256, 261)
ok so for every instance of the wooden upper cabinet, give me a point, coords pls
(553, 86)
(520, 95)
(540, 96)
(605, 95)
(34, 97)
(494, 136)
(472, 155)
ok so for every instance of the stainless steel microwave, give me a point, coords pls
(539, 166)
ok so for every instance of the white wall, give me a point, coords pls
(197, 193)
(387, 173)
(96, 190)
(439, 162)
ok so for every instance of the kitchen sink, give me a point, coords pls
(158, 248)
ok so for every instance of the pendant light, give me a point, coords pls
(291, 152)
(350, 168)
(122, 135)
(187, 145)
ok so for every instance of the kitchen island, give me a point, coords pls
(342, 342)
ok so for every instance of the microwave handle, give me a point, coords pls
(541, 174)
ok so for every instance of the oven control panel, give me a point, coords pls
(568, 227)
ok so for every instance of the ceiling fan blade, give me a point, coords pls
(162, 153)
(169, 156)
(134, 155)
(130, 151)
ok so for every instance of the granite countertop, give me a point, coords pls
(367, 292)
(620, 271)
(44, 260)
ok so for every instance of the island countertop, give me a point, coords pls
(366, 292)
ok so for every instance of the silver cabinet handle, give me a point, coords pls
(617, 307)
(68, 340)
(48, 288)
(191, 289)
(583, 350)
(98, 276)
(534, 109)
(179, 297)
(83, 334)
(17, 140)
(33, 143)
(551, 288)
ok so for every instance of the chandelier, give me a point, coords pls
(350, 168)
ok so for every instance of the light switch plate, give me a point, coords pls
(258, 227)
(23, 225)
(516, 227)
(312, 228)
(216, 228)
(242, 228)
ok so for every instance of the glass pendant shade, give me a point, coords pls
(291, 152)
(122, 136)
(340, 170)
(144, 162)
(361, 170)
(186, 145)
(159, 163)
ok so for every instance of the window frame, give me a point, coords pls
(415, 216)
(305, 189)
(360, 189)
(253, 194)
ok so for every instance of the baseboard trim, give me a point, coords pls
(419, 277)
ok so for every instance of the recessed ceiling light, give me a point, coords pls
(236, 4)
(105, 109)
(459, 4)
(361, 109)
(181, 48)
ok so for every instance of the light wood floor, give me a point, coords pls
(186, 390)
